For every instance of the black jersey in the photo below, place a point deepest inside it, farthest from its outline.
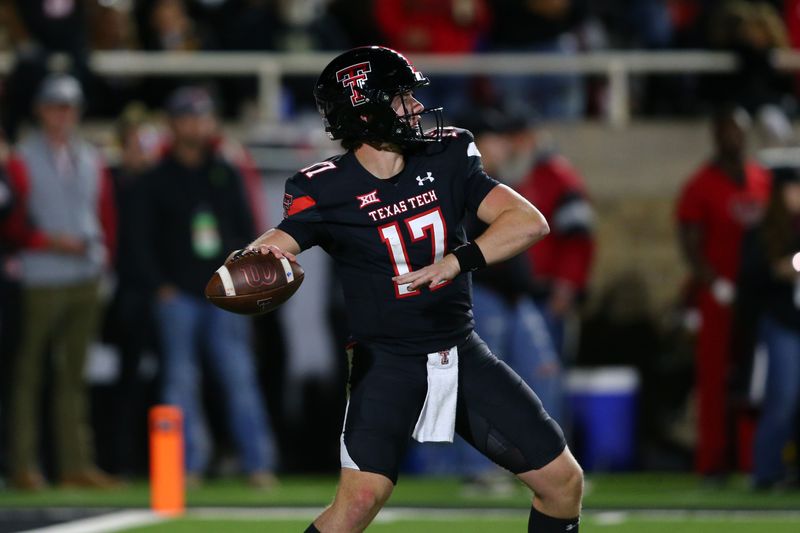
(376, 229)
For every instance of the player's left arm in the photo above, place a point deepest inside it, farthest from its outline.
(514, 225)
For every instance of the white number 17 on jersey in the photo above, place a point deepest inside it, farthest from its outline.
(429, 224)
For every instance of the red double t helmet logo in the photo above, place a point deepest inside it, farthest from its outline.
(354, 77)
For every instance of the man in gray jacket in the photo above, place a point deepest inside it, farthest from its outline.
(63, 222)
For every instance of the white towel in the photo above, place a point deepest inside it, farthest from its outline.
(437, 420)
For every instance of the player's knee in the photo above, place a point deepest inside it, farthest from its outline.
(573, 485)
(362, 502)
(566, 487)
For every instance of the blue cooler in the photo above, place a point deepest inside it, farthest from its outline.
(603, 405)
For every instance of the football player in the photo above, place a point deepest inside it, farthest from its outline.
(390, 211)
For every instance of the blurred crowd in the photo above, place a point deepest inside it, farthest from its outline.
(71, 29)
(181, 195)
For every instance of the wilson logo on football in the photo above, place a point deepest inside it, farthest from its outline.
(258, 276)
(354, 77)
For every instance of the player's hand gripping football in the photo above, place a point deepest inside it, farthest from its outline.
(263, 249)
(440, 272)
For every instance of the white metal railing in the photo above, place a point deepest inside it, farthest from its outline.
(270, 67)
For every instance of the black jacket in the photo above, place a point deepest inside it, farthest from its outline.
(760, 290)
(191, 219)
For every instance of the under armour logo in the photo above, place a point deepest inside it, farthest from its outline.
(570, 527)
(369, 198)
(420, 180)
(444, 357)
(354, 77)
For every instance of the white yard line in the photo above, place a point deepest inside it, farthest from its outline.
(123, 520)
(391, 514)
(108, 523)
(406, 513)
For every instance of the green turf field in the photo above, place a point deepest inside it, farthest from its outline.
(473, 525)
(606, 491)
(614, 502)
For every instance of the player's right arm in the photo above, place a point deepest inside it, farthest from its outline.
(301, 227)
(277, 242)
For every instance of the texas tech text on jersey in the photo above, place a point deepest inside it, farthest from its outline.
(376, 229)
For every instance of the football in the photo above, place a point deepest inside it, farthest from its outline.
(254, 284)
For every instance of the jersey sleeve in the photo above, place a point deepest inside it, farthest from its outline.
(301, 216)
(477, 182)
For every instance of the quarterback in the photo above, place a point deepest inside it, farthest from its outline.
(389, 211)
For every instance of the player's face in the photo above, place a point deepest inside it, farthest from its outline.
(405, 104)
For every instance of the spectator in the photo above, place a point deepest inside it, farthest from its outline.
(250, 27)
(43, 28)
(304, 26)
(111, 28)
(64, 223)
(129, 321)
(9, 299)
(770, 274)
(450, 26)
(754, 31)
(165, 26)
(6, 194)
(718, 203)
(169, 28)
(562, 262)
(546, 26)
(506, 314)
(357, 20)
(192, 210)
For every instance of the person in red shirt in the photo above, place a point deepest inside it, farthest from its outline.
(562, 265)
(437, 27)
(717, 205)
(443, 27)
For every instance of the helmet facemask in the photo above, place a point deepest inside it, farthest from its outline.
(410, 127)
(400, 125)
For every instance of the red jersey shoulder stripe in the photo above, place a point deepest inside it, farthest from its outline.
(300, 204)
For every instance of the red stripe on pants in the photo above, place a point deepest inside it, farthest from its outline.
(712, 362)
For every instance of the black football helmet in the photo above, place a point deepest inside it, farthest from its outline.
(354, 95)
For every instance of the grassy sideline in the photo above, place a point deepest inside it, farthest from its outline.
(507, 525)
(604, 491)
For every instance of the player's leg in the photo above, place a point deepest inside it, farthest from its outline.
(386, 393)
(502, 417)
(558, 490)
(359, 497)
